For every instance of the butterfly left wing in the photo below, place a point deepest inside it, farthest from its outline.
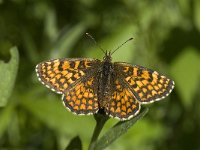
(61, 74)
(82, 98)
(147, 85)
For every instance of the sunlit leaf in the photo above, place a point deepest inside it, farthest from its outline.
(186, 73)
(8, 72)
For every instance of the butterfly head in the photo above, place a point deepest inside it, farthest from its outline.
(107, 56)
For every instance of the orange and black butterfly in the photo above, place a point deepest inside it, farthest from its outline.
(88, 85)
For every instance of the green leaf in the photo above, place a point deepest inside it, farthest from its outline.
(197, 14)
(8, 72)
(5, 118)
(67, 41)
(119, 129)
(75, 144)
(51, 28)
(186, 72)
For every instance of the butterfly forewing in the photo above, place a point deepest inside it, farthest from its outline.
(147, 85)
(61, 74)
(122, 104)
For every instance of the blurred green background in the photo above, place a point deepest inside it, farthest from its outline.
(166, 38)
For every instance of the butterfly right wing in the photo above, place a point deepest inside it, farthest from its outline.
(122, 105)
(147, 85)
(60, 74)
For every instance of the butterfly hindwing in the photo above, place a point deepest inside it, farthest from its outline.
(82, 98)
(147, 85)
(122, 104)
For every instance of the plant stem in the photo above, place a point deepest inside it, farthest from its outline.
(100, 121)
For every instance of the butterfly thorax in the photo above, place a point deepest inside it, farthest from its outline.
(104, 80)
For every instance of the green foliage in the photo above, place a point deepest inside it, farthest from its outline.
(5, 119)
(8, 72)
(166, 38)
(64, 42)
(185, 69)
(116, 131)
(75, 144)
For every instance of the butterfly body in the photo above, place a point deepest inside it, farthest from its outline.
(104, 78)
(118, 88)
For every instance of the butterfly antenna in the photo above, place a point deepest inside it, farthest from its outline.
(91, 37)
(121, 45)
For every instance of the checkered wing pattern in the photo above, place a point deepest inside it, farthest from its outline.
(62, 74)
(123, 104)
(82, 98)
(147, 85)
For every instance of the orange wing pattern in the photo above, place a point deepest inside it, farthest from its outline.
(60, 74)
(147, 85)
(88, 85)
(123, 104)
(82, 98)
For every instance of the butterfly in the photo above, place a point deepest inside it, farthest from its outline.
(88, 85)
